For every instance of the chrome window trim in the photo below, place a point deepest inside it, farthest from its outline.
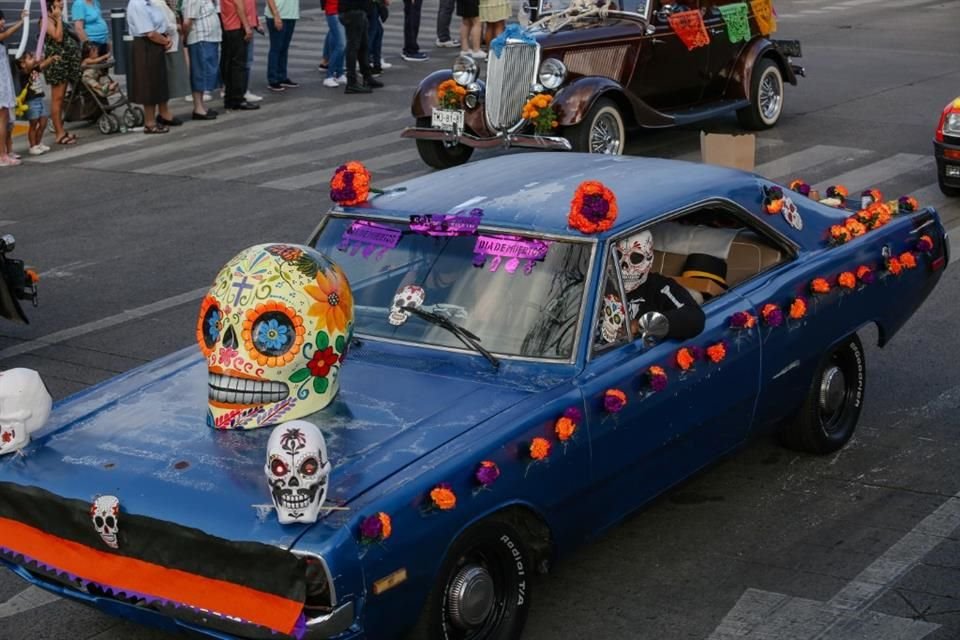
(383, 217)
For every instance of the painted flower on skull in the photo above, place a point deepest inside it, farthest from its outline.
(333, 301)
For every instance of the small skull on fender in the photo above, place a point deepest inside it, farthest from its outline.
(274, 329)
(297, 470)
(105, 513)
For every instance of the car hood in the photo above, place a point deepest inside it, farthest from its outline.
(143, 437)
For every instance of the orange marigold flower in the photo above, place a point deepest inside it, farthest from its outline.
(443, 497)
(862, 271)
(798, 308)
(820, 285)
(775, 206)
(717, 352)
(565, 428)
(855, 227)
(685, 359)
(894, 266)
(839, 234)
(847, 280)
(907, 260)
(386, 525)
(539, 448)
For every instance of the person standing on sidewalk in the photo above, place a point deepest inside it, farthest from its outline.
(238, 17)
(201, 28)
(88, 23)
(444, 16)
(376, 11)
(353, 17)
(469, 12)
(248, 95)
(411, 29)
(334, 47)
(282, 16)
(494, 15)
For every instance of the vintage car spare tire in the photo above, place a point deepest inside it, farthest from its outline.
(766, 97)
(482, 591)
(441, 155)
(601, 130)
(830, 412)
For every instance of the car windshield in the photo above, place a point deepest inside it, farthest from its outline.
(631, 6)
(520, 295)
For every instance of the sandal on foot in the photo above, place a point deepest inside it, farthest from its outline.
(67, 138)
(156, 129)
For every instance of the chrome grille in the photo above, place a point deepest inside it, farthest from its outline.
(508, 83)
(605, 61)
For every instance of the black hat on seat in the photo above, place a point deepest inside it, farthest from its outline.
(702, 265)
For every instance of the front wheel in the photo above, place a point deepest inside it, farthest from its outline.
(830, 413)
(482, 591)
(439, 154)
(766, 97)
(601, 131)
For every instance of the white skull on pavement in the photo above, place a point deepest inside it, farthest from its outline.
(24, 407)
(297, 470)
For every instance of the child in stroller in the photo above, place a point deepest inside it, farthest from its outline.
(96, 96)
(95, 74)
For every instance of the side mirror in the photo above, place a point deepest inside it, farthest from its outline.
(663, 13)
(654, 327)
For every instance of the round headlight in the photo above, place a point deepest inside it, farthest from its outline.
(464, 70)
(552, 73)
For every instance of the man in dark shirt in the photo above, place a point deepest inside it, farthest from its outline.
(353, 17)
(653, 292)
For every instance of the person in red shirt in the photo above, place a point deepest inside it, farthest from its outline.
(239, 18)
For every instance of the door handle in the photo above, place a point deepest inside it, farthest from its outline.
(716, 31)
(657, 41)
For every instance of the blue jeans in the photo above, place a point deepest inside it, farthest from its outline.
(279, 47)
(249, 64)
(334, 47)
(374, 36)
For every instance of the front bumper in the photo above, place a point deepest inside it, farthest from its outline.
(504, 139)
(948, 169)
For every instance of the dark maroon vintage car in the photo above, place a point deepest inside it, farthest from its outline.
(606, 69)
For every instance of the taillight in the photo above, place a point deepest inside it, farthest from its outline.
(949, 121)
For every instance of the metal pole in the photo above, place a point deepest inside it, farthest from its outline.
(118, 28)
(128, 63)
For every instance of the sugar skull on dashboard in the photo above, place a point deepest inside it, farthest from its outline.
(274, 328)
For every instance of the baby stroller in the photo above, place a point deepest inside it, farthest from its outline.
(82, 103)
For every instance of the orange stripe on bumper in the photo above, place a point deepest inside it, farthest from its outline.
(120, 572)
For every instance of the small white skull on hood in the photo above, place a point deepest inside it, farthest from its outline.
(105, 513)
(635, 254)
(297, 470)
(24, 407)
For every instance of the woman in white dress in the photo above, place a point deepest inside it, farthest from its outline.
(8, 99)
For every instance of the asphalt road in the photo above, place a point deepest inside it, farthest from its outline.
(128, 230)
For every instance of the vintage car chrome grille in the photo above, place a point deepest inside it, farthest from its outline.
(509, 78)
(605, 61)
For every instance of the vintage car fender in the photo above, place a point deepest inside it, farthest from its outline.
(425, 99)
(574, 101)
(738, 87)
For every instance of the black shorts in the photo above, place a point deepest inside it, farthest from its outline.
(468, 8)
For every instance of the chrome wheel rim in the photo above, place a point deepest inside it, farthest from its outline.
(770, 96)
(605, 135)
(471, 597)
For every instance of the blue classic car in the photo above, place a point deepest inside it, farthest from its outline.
(507, 395)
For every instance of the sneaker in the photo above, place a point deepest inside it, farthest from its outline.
(331, 82)
(276, 88)
(357, 88)
(376, 72)
(252, 97)
(419, 56)
(373, 83)
(36, 150)
(448, 44)
(44, 147)
(188, 98)
(342, 79)
(384, 64)
(207, 96)
(289, 84)
(479, 54)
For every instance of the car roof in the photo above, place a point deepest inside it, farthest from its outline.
(532, 191)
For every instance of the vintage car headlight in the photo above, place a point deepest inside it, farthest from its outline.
(552, 73)
(464, 70)
(951, 124)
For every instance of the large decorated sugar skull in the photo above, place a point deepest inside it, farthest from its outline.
(612, 320)
(274, 328)
(297, 470)
(636, 258)
(408, 296)
(24, 407)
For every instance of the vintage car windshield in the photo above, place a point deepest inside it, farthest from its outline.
(529, 308)
(630, 6)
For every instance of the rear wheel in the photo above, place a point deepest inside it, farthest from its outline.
(482, 591)
(953, 192)
(601, 131)
(766, 97)
(108, 123)
(830, 413)
(439, 154)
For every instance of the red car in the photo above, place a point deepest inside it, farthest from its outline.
(946, 148)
